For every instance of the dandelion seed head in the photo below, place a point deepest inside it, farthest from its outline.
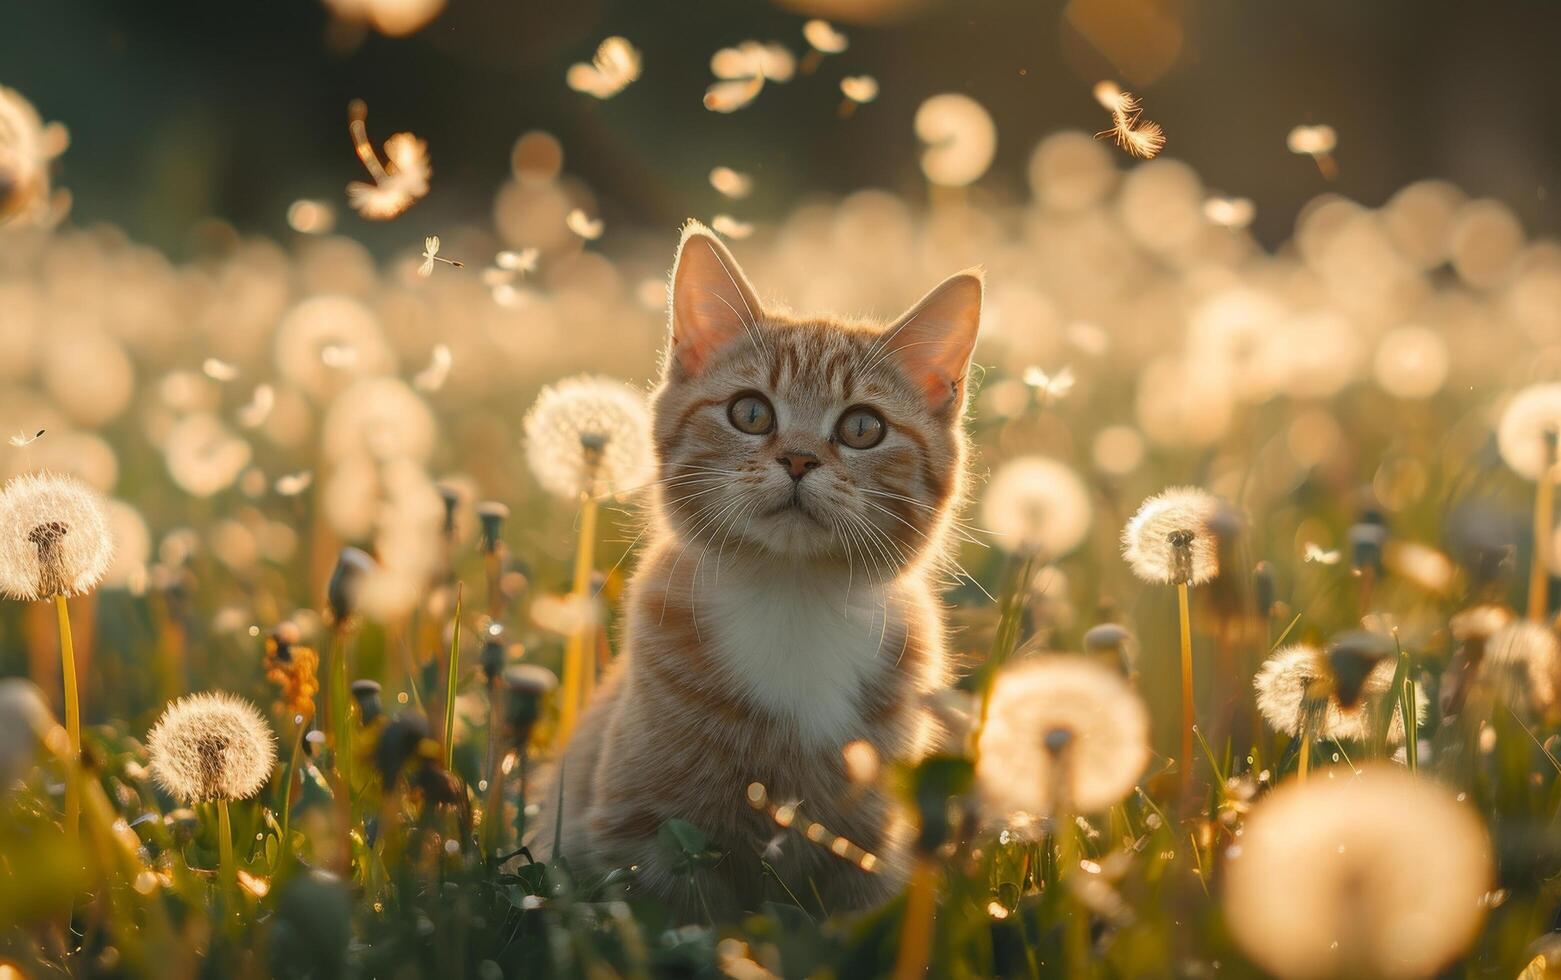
(1297, 682)
(1411, 362)
(1037, 505)
(54, 537)
(203, 455)
(1529, 428)
(1169, 541)
(1480, 622)
(323, 322)
(1522, 663)
(589, 434)
(1333, 873)
(211, 746)
(1106, 728)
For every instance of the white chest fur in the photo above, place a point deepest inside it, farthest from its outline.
(789, 641)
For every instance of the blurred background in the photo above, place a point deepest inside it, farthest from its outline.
(181, 110)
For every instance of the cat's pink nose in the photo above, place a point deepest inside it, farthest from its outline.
(797, 463)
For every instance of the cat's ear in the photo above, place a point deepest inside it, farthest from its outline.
(712, 302)
(933, 341)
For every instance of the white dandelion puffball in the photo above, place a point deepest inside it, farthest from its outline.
(1067, 711)
(211, 746)
(1294, 675)
(1379, 874)
(1531, 418)
(203, 455)
(1522, 662)
(589, 434)
(54, 537)
(1169, 542)
(1037, 505)
(382, 418)
(960, 136)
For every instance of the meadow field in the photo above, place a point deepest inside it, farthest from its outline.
(1253, 599)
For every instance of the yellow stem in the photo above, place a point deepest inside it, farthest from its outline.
(72, 721)
(1539, 571)
(1306, 754)
(1188, 719)
(579, 675)
(916, 931)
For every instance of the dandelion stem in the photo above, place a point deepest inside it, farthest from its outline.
(451, 679)
(1188, 720)
(227, 870)
(916, 929)
(579, 677)
(72, 720)
(284, 852)
(1539, 570)
(1305, 764)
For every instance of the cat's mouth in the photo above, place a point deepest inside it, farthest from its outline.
(794, 505)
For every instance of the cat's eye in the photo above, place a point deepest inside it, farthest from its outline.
(750, 412)
(861, 428)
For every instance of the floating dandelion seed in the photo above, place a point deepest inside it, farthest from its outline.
(824, 38)
(1051, 386)
(1062, 733)
(860, 89)
(1168, 541)
(22, 439)
(293, 484)
(524, 260)
(1377, 875)
(309, 217)
(733, 183)
(27, 147)
(1316, 554)
(1301, 694)
(588, 434)
(1138, 136)
(54, 537)
(1317, 142)
(431, 255)
(583, 225)
(393, 18)
(743, 70)
(961, 139)
(433, 377)
(399, 182)
(254, 414)
(1229, 212)
(211, 746)
(1037, 505)
(731, 227)
(1522, 664)
(218, 370)
(615, 65)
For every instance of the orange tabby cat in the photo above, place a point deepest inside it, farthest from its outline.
(809, 469)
